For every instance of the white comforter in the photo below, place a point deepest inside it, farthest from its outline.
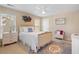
(30, 38)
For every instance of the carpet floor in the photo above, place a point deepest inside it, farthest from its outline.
(56, 48)
(52, 48)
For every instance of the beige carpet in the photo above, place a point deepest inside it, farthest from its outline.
(16, 48)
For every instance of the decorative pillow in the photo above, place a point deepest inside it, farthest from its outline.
(27, 29)
(30, 30)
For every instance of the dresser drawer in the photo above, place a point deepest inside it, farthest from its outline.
(14, 35)
(9, 38)
(6, 36)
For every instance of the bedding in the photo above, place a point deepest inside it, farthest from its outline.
(30, 39)
(30, 30)
(34, 39)
(26, 29)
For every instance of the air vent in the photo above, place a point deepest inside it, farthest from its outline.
(11, 5)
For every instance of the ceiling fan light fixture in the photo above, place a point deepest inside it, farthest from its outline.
(11, 5)
(43, 12)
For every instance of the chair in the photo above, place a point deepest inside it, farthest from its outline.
(59, 34)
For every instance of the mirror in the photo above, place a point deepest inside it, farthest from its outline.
(8, 23)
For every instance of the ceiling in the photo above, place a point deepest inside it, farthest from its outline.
(43, 9)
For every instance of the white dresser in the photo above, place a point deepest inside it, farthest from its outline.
(8, 32)
(9, 38)
(75, 43)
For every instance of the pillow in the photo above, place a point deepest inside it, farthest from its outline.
(23, 29)
(30, 30)
(27, 29)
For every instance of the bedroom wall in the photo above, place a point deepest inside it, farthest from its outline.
(71, 23)
(71, 26)
(19, 14)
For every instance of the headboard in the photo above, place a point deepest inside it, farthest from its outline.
(27, 29)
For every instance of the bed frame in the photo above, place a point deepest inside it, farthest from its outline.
(44, 39)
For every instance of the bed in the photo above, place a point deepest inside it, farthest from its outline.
(34, 39)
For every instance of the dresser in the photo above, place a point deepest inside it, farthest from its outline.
(8, 31)
(9, 38)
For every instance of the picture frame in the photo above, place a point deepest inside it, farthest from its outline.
(60, 21)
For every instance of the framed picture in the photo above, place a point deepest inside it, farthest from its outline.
(27, 18)
(60, 21)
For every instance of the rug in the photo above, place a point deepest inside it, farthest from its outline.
(56, 48)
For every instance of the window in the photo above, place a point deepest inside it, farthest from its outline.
(45, 24)
(37, 24)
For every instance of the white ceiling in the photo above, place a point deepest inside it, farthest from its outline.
(43, 9)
